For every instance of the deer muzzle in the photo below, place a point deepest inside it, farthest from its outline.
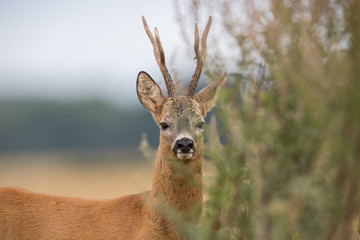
(184, 148)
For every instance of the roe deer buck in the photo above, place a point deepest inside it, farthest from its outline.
(175, 199)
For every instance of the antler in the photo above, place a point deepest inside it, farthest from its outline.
(160, 58)
(200, 57)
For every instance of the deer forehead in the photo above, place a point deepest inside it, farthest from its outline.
(181, 108)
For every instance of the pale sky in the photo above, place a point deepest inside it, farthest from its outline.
(82, 49)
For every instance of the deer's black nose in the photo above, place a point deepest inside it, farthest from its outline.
(184, 145)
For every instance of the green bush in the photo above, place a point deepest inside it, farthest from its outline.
(288, 165)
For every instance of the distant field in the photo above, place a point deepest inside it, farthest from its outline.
(95, 174)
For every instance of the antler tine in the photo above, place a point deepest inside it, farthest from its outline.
(196, 43)
(200, 57)
(160, 58)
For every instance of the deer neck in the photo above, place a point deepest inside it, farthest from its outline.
(178, 184)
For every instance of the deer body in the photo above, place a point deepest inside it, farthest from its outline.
(25, 215)
(175, 200)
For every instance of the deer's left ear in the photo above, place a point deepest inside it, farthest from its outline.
(207, 96)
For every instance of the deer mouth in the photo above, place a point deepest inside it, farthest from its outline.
(184, 156)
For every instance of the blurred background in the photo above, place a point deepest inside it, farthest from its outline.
(70, 120)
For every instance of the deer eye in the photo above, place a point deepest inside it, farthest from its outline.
(200, 125)
(164, 126)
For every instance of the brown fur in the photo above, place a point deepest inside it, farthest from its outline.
(27, 215)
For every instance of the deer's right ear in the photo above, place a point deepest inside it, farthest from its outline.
(149, 93)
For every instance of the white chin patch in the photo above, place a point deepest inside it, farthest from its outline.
(184, 155)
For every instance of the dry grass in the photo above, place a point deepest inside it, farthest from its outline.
(106, 174)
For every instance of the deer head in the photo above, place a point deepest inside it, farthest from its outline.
(180, 118)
